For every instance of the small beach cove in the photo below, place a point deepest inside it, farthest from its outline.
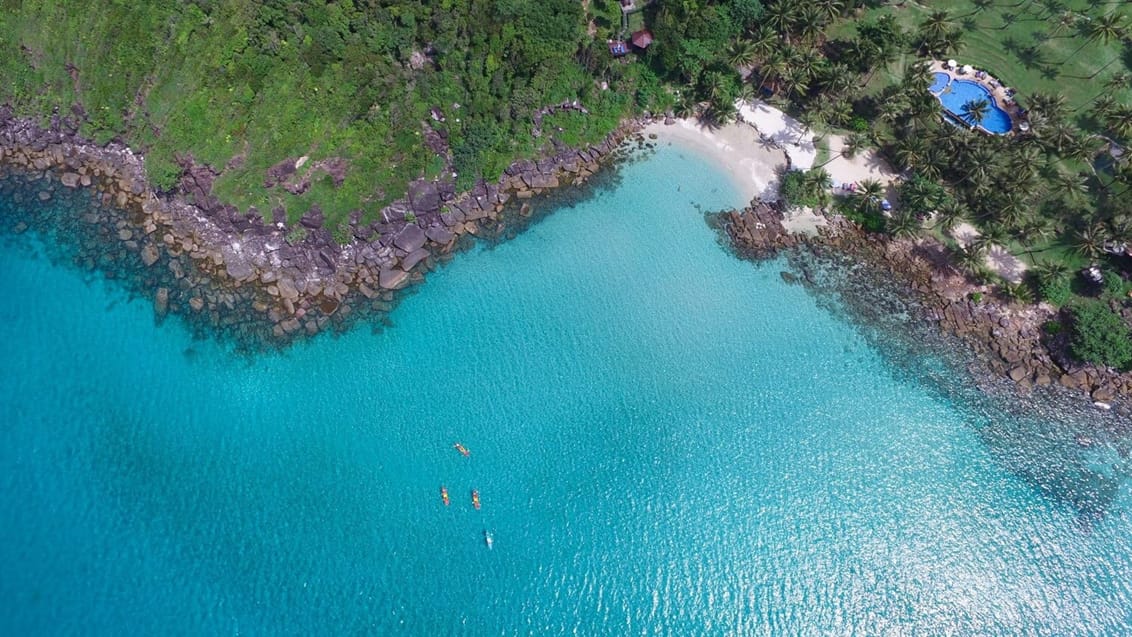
(664, 438)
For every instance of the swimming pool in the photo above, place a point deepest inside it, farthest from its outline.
(955, 94)
(939, 82)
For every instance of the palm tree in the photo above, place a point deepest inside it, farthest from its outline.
(780, 16)
(741, 54)
(1083, 149)
(1065, 21)
(1089, 240)
(971, 260)
(1103, 103)
(1061, 136)
(868, 197)
(817, 182)
(773, 69)
(764, 41)
(809, 64)
(809, 23)
(1014, 210)
(981, 165)
(1108, 27)
(1016, 292)
(794, 81)
(1024, 160)
(721, 112)
(837, 80)
(829, 9)
(904, 226)
(951, 213)
(975, 111)
(993, 235)
(1050, 105)
(1104, 29)
(1119, 121)
(917, 77)
(933, 29)
(1053, 6)
(910, 152)
(1052, 271)
(853, 144)
(685, 107)
(950, 43)
(1073, 187)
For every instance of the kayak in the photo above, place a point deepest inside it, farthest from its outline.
(444, 495)
(476, 499)
(462, 449)
(488, 539)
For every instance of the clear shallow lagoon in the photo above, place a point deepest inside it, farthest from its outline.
(667, 440)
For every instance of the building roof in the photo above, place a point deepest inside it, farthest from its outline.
(642, 39)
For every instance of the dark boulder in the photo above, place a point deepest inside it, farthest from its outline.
(410, 238)
(279, 173)
(424, 196)
(438, 234)
(313, 219)
(413, 258)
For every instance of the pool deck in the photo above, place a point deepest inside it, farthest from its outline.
(997, 89)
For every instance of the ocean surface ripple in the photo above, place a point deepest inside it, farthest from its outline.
(666, 440)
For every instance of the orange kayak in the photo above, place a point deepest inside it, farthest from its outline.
(444, 495)
(462, 449)
(476, 499)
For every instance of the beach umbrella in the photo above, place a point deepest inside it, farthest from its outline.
(967, 68)
(951, 64)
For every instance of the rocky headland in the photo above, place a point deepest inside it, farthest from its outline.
(1007, 339)
(243, 273)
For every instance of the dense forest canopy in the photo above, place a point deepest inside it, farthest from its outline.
(259, 82)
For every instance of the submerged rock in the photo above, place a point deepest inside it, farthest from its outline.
(161, 301)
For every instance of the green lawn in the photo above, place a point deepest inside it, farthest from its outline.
(1017, 41)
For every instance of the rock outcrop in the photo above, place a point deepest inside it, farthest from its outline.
(232, 267)
(1007, 338)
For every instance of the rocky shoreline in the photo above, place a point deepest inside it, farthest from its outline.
(1007, 340)
(239, 274)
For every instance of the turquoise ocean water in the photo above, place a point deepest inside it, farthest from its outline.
(667, 440)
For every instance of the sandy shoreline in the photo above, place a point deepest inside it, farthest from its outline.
(736, 149)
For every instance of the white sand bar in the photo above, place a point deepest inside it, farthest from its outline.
(736, 149)
(785, 131)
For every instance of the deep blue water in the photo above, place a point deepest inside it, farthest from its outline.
(959, 92)
(667, 440)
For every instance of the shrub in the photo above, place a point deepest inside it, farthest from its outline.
(1053, 328)
(859, 124)
(1115, 287)
(1100, 335)
(977, 297)
(1056, 291)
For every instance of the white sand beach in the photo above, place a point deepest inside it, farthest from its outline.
(866, 164)
(737, 149)
(1007, 265)
(785, 131)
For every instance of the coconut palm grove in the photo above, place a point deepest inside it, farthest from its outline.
(456, 90)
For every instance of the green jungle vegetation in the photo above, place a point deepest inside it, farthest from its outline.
(242, 85)
(248, 83)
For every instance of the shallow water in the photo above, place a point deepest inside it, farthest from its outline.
(666, 440)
